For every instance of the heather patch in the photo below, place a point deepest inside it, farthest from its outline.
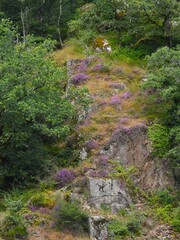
(124, 120)
(86, 169)
(103, 160)
(100, 68)
(103, 173)
(126, 95)
(64, 176)
(79, 78)
(103, 102)
(91, 144)
(82, 66)
(115, 100)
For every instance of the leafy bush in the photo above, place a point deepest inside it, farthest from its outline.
(159, 135)
(68, 215)
(42, 199)
(33, 109)
(14, 225)
(166, 208)
(121, 172)
(134, 225)
(175, 222)
(163, 86)
(165, 197)
(117, 230)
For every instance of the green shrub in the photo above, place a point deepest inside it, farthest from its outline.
(162, 198)
(176, 219)
(127, 55)
(134, 225)
(68, 215)
(159, 135)
(42, 199)
(165, 197)
(117, 229)
(14, 227)
(164, 213)
(105, 207)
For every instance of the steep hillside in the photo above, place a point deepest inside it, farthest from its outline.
(117, 190)
(117, 180)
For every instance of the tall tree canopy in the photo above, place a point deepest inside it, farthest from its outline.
(33, 109)
(164, 85)
(41, 17)
(134, 20)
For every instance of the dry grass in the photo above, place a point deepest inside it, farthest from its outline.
(68, 52)
(43, 234)
(106, 118)
(2, 217)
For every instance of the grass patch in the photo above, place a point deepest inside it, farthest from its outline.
(68, 215)
(68, 52)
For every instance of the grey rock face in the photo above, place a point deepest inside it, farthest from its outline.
(98, 228)
(110, 193)
(83, 154)
(130, 147)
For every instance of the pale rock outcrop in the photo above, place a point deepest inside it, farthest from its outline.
(111, 193)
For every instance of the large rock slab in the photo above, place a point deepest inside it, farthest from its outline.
(108, 193)
(130, 147)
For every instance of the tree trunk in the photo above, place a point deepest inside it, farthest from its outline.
(23, 26)
(59, 18)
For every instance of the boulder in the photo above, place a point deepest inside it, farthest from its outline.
(108, 193)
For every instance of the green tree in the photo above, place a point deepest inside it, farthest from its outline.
(154, 19)
(45, 18)
(136, 21)
(163, 83)
(33, 109)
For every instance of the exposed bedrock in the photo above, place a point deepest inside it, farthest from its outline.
(130, 147)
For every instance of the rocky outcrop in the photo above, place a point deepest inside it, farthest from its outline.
(108, 193)
(98, 228)
(130, 147)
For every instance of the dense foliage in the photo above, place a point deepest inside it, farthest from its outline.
(163, 84)
(44, 18)
(152, 23)
(33, 110)
(39, 107)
